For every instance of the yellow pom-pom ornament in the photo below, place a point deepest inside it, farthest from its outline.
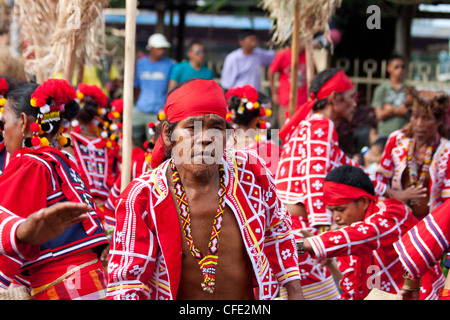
(2, 102)
(62, 140)
(44, 142)
(268, 112)
(33, 102)
(80, 95)
(162, 116)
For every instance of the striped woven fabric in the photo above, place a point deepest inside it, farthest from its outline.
(423, 246)
(88, 284)
(323, 290)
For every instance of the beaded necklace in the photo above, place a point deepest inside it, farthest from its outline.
(208, 262)
(418, 178)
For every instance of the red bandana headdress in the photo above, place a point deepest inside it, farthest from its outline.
(338, 83)
(335, 194)
(194, 98)
(50, 97)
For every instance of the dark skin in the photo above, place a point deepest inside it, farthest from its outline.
(425, 128)
(200, 178)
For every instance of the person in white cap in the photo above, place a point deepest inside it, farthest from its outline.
(151, 83)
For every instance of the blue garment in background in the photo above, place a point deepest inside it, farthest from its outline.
(152, 78)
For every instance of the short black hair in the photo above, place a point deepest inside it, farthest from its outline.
(351, 176)
(245, 33)
(395, 56)
(194, 42)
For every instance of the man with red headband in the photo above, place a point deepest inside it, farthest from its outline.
(364, 239)
(206, 223)
(310, 151)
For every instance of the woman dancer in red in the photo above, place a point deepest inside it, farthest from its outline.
(40, 175)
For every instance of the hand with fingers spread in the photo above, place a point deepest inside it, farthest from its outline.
(48, 223)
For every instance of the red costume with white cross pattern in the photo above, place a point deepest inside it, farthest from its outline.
(367, 256)
(145, 256)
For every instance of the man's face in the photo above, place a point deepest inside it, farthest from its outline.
(249, 43)
(346, 214)
(199, 141)
(157, 53)
(197, 53)
(345, 105)
(396, 68)
(424, 125)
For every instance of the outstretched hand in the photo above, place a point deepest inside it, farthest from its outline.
(48, 223)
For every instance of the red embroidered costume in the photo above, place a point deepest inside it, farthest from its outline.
(394, 162)
(366, 254)
(48, 176)
(310, 151)
(145, 258)
(138, 166)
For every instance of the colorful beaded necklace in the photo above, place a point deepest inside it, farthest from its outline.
(208, 262)
(418, 178)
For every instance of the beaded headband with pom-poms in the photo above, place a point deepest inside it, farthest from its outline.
(50, 98)
(113, 125)
(3, 89)
(249, 101)
(150, 144)
(95, 93)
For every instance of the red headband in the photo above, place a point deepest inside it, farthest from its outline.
(335, 194)
(195, 98)
(338, 83)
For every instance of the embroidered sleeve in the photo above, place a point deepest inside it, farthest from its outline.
(380, 229)
(133, 248)
(8, 243)
(279, 243)
(423, 246)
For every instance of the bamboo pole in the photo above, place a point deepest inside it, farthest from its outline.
(310, 65)
(130, 52)
(294, 60)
